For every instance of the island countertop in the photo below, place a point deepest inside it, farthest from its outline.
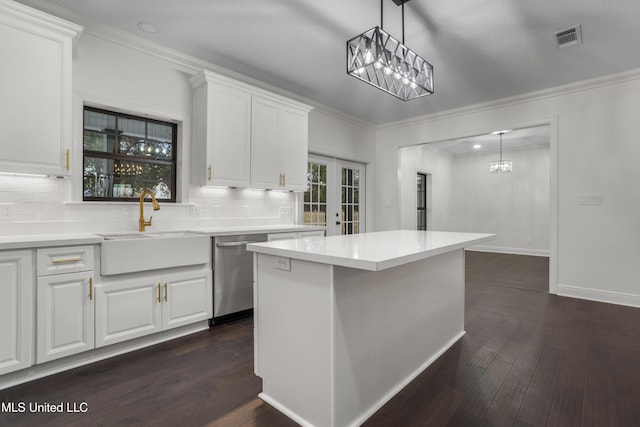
(372, 251)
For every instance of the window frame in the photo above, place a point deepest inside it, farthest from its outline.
(172, 163)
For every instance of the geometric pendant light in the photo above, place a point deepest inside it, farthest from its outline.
(379, 59)
(501, 166)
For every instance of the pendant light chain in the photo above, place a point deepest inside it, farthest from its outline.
(402, 22)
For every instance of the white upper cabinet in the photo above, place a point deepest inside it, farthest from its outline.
(35, 105)
(221, 133)
(266, 149)
(295, 145)
(247, 137)
(279, 145)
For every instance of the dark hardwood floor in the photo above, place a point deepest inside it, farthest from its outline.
(528, 359)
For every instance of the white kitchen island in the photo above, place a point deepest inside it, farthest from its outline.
(343, 323)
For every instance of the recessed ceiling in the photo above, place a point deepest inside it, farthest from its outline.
(481, 50)
(516, 139)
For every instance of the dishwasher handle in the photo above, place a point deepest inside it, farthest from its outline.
(234, 244)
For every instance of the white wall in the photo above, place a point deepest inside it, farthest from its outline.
(514, 206)
(437, 163)
(594, 128)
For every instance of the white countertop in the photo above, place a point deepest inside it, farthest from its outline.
(372, 251)
(28, 241)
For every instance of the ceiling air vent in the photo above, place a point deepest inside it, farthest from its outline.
(569, 37)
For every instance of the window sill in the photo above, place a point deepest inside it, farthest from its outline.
(95, 203)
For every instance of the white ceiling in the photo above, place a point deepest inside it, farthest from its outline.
(515, 139)
(481, 50)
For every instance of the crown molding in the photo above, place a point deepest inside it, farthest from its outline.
(551, 92)
(339, 115)
(48, 21)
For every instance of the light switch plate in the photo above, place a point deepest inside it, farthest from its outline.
(590, 199)
(6, 210)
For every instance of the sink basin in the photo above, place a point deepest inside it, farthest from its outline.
(134, 252)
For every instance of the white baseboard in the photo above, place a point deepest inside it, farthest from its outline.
(620, 298)
(513, 251)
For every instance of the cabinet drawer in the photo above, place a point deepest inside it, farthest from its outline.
(282, 236)
(64, 260)
(316, 233)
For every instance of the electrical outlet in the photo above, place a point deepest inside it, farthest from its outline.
(245, 211)
(590, 199)
(285, 211)
(6, 210)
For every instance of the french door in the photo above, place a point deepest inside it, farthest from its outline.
(336, 195)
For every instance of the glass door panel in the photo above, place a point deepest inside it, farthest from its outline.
(334, 196)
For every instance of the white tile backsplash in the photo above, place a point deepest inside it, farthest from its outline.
(41, 205)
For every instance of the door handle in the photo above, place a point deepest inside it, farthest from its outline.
(337, 222)
(165, 292)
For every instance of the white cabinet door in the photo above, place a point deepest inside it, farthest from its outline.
(279, 138)
(16, 328)
(266, 150)
(186, 298)
(128, 309)
(294, 131)
(35, 105)
(221, 134)
(65, 320)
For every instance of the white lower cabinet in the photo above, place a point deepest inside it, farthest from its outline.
(16, 312)
(187, 298)
(65, 305)
(64, 302)
(137, 306)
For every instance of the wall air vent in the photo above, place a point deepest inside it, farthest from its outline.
(569, 37)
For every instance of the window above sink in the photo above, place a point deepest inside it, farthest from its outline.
(124, 154)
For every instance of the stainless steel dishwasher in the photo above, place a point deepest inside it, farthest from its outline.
(233, 276)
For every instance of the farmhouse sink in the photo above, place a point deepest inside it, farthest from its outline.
(133, 252)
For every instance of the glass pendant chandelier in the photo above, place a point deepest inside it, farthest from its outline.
(501, 166)
(379, 59)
